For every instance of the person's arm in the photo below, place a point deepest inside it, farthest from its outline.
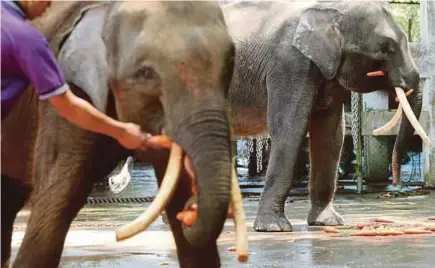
(81, 113)
(39, 65)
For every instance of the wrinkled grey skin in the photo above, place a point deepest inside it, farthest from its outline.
(169, 65)
(295, 64)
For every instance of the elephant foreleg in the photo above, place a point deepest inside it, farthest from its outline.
(188, 256)
(68, 161)
(289, 109)
(14, 195)
(326, 141)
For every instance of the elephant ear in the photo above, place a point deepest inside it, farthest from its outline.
(83, 57)
(318, 37)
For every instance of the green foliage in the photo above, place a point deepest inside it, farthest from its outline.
(407, 15)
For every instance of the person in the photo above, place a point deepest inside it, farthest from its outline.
(26, 58)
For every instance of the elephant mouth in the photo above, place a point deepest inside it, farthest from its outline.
(177, 160)
(403, 104)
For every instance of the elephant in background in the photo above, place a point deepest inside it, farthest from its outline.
(166, 66)
(296, 63)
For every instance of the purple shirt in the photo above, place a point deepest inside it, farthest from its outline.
(26, 58)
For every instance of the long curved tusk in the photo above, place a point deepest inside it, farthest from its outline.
(411, 116)
(239, 219)
(167, 188)
(407, 94)
(388, 126)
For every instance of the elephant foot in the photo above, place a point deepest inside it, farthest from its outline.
(324, 216)
(270, 222)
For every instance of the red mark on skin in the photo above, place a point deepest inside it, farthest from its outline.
(189, 77)
(118, 89)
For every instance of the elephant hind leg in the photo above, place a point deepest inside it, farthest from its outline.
(326, 141)
(13, 198)
(188, 256)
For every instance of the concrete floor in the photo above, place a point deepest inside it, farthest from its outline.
(91, 239)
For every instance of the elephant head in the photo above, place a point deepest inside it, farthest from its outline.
(169, 66)
(361, 46)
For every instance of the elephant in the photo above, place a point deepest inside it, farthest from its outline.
(296, 63)
(163, 65)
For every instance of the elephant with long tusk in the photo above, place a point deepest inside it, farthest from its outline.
(166, 191)
(403, 105)
(297, 62)
(164, 65)
(401, 97)
(409, 120)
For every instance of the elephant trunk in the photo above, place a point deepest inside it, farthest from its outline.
(206, 139)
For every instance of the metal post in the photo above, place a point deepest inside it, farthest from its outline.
(427, 75)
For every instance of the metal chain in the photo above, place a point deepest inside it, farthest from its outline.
(251, 144)
(250, 149)
(266, 145)
(260, 143)
(356, 106)
(355, 118)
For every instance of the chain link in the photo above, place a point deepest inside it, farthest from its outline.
(266, 145)
(260, 143)
(356, 107)
(251, 145)
(250, 149)
(355, 101)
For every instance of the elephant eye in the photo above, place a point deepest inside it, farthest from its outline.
(146, 72)
(386, 48)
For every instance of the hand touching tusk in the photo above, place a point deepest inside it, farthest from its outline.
(376, 73)
(167, 188)
(239, 219)
(388, 126)
(411, 116)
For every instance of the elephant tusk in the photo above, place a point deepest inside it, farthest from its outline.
(407, 94)
(411, 116)
(167, 188)
(239, 219)
(376, 73)
(388, 126)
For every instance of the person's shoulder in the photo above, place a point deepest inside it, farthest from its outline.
(28, 35)
(22, 33)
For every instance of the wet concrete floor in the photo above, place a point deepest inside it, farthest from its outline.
(91, 239)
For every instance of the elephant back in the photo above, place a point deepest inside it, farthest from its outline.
(59, 20)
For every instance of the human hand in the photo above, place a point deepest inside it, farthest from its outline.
(133, 138)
